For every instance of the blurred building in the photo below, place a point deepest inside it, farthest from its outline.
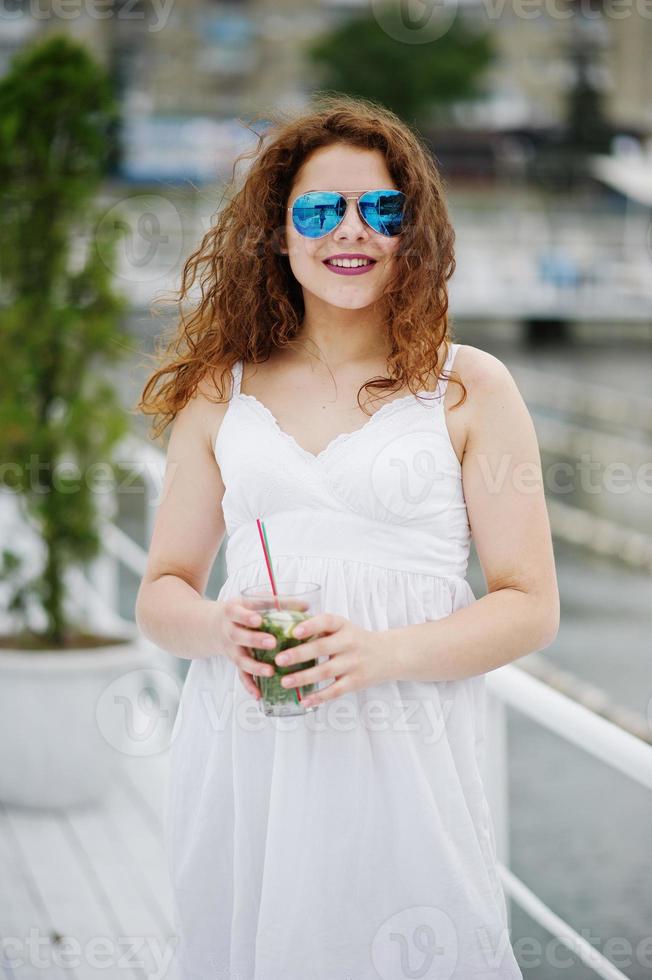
(629, 59)
(179, 61)
(186, 56)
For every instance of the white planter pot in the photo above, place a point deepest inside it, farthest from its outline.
(63, 735)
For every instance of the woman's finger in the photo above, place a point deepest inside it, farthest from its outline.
(249, 683)
(321, 672)
(252, 666)
(244, 615)
(258, 639)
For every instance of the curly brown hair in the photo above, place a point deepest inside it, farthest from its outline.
(251, 302)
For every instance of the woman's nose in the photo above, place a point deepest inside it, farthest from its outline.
(351, 223)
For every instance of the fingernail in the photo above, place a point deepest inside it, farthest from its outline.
(281, 659)
(299, 631)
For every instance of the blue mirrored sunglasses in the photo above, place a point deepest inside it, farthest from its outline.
(317, 213)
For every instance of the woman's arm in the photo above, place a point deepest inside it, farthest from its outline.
(504, 493)
(188, 532)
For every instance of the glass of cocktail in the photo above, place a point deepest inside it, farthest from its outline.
(294, 602)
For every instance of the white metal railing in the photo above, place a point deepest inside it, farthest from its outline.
(599, 403)
(572, 721)
(577, 263)
(611, 264)
(508, 686)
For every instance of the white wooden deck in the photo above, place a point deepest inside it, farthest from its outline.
(97, 878)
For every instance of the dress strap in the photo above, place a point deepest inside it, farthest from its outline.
(236, 373)
(448, 367)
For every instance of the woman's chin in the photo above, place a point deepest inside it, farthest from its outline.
(345, 299)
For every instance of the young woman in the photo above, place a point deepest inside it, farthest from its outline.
(353, 842)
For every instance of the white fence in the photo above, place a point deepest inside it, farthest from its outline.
(508, 687)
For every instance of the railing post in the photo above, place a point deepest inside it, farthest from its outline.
(151, 493)
(104, 571)
(496, 778)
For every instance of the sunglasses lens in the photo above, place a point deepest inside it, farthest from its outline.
(317, 213)
(383, 211)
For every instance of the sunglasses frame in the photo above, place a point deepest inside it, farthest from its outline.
(348, 197)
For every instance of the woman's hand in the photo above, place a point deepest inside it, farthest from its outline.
(236, 632)
(357, 658)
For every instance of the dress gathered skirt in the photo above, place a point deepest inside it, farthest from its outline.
(354, 842)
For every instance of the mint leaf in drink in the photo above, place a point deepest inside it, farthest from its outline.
(280, 623)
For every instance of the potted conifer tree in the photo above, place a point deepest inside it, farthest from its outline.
(60, 420)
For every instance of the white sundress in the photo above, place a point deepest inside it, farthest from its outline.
(354, 842)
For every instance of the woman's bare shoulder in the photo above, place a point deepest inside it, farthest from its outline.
(493, 397)
(479, 368)
(486, 378)
(211, 404)
(489, 387)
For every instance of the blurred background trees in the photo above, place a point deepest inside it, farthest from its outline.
(365, 57)
(59, 418)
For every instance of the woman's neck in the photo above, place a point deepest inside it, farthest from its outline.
(346, 338)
